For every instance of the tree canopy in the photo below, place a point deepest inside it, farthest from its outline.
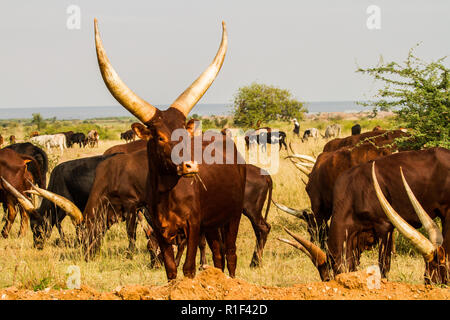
(261, 102)
(418, 93)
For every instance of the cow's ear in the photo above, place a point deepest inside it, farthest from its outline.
(190, 127)
(141, 131)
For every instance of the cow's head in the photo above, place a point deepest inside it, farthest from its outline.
(159, 125)
(436, 258)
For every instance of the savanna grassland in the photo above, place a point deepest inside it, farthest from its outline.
(23, 266)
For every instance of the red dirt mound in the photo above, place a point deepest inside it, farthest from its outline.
(212, 284)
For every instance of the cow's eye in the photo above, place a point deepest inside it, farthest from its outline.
(161, 139)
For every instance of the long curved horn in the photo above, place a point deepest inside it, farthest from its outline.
(317, 256)
(291, 211)
(187, 100)
(425, 247)
(434, 233)
(124, 95)
(303, 157)
(24, 201)
(65, 204)
(302, 168)
(296, 245)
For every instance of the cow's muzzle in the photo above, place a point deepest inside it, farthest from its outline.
(188, 168)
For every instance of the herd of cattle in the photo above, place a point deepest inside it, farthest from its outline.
(61, 140)
(68, 139)
(359, 185)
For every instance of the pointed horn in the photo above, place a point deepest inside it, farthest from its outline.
(304, 164)
(291, 211)
(124, 95)
(187, 100)
(296, 245)
(65, 204)
(302, 157)
(317, 256)
(302, 168)
(434, 233)
(24, 201)
(425, 247)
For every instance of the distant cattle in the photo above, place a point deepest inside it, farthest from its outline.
(49, 141)
(296, 127)
(332, 131)
(310, 133)
(356, 129)
(128, 136)
(79, 138)
(1, 140)
(92, 138)
(68, 135)
(12, 139)
(34, 134)
(265, 135)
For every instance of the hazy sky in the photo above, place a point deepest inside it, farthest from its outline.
(159, 47)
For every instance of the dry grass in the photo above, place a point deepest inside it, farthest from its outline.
(23, 266)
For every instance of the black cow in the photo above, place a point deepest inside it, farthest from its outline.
(68, 135)
(262, 136)
(72, 180)
(356, 129)
(79, 138)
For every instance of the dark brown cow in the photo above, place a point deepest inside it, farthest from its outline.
(13, 170)
(328, 167)
(92, 138)
(258, 186)
(358, 220)
(12, 139)
(127, 147)
(117, 194)
(216, 204)
(380, 137)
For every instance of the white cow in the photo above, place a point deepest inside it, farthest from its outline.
(51, 140)
(310, 133)
(333, 130)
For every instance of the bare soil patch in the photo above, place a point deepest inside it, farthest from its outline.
(212, 284)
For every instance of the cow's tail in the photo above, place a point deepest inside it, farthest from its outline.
(270, 182)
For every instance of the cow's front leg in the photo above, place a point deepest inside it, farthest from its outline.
(216, 245)
(24, 222)
(10, 217)
(167, 256)
(131, 224)
(193, 239)
(231, 231)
